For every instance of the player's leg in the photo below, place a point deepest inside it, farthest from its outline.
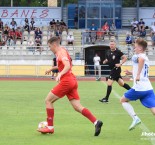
(153, 110)
(109, 89)
(122, 84)
(74, 98)
(50, 99)
(85, 112)
(129, 95)
(95, 70)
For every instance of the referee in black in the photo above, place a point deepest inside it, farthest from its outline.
(114, 58)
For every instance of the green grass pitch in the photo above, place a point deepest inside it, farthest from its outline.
(22, 108)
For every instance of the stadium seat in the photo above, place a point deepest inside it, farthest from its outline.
(25, 33)
(70, 48)
(32, 33)
(44, 43)
(43, 53)
(10, 52)
(44, 33)
(63, 43)
(11, 48)
(149, 43)
(70, 33)
(148, 38)
(150, 53)
(18, 43)
(37, 53)
(64, 33)
(24, 43)
(64, 38)
(17, 52)
(44, 38)
(23, 52)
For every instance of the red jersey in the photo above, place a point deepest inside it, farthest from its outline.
(63, 55)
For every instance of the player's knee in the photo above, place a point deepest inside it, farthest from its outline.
(122, 100)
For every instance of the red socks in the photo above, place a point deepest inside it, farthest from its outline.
(89, 115)
(50, 116)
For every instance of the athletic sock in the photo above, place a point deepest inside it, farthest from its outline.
(50, 116)
(89, 115)
(126, 86)
(128, 107)
(109, 88)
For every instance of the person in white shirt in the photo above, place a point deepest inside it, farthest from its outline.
(142, 88)
(134, 25)
(96, 60)
(152, 29)
(70, 39)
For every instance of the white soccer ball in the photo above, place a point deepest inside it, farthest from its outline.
(42, 124)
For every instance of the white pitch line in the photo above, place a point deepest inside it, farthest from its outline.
(142, 126)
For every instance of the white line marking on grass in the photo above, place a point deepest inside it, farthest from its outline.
(142, 126)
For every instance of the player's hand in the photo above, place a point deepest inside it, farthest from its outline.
(137, 79)
(127, 72)
(58, 77)
(118, 65)
(47, 72)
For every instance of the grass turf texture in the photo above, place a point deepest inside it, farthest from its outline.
(22, 108)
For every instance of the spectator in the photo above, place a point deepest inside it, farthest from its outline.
(18, 34)
(13, 24)
(136, 33)
(93, 30)
(152, 29)
(141, 25)
(96, 60)
(63, 25)
(38, 33)
(99, 34)
(153, 39)
(143, 33)
(134, 24)
(58, 24)
(30, 44)
(10, 41)
(58, 33)
(70, 39)
(76, 21)
(26, 27)
(105, 29)
(1, 25)
(6, 31)
(12, 34)
(37, 41)
(32, 26)
(128, 39)
(53, 24)
(112, 30)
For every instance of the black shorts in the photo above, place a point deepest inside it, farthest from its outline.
(55, 71)
(115, 74)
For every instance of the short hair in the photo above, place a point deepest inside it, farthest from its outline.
(141, 42)
(54, 39)
(112, 41)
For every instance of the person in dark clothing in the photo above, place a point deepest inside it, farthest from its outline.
(114, 58)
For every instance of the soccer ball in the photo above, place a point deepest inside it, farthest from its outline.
(42, 124)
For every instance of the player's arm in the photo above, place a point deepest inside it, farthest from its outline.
(66, 68)
(105, 61)
(140, 67)
(47, 72)
(124, 58)
(127, 72)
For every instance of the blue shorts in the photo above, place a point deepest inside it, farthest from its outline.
(147, 98)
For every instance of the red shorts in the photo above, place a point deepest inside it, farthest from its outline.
(68, 87)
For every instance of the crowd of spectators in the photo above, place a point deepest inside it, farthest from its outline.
(138, 29)
(29, 33)
(94, 33)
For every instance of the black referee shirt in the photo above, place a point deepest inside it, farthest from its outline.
(113, 57)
